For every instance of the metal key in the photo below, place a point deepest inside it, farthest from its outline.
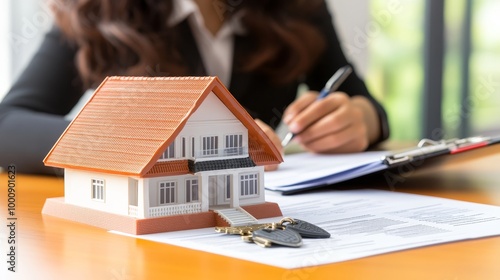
(242, 230)
(305, 229)
(265, 234)
(286, 232)
(277, 235)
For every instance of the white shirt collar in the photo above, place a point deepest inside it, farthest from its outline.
(182, 9)
(216, 50)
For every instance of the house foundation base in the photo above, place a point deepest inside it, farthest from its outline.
(58, 208)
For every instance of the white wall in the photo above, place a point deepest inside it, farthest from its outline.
(78, 191)
(22, 26)
(5, 76)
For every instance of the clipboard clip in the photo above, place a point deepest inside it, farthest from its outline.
(465, 144)
(427, 148)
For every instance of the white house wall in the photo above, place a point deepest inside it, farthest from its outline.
(212, 109)
(212, 118)
(78, 191)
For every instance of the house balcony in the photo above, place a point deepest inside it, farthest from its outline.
(171, 210)
(227, 152)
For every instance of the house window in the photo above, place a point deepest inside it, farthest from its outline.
(192, 147)
(169, 152)
(249, 184)
(192, 190)
(98, 190)
(167, 192)
(210, 145)
(227, 186)
(183, 147)
(234, 144)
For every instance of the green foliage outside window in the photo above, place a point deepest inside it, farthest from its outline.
(395, 74)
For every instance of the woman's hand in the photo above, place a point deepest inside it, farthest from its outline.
(274, 138)
(336, 124)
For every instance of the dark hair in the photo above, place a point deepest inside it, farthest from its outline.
(128, 37)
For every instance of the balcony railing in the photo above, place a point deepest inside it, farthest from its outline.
(237, 151)
(214, 153)
(132, 211)
(171, 210)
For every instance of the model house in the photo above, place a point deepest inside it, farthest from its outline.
(160, 154)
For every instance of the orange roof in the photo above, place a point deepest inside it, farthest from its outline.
(130, 121)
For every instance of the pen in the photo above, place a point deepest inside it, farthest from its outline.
(331, 86)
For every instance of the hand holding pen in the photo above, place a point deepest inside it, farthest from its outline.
(331, 86)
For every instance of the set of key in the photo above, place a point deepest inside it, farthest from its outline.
(287, 232)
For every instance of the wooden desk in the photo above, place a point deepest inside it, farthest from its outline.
(50, 248)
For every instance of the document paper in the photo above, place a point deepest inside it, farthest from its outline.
(305, 170)
(361, 222)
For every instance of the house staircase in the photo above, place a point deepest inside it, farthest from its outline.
(236, 216)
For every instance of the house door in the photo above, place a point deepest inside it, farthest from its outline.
(219, 190)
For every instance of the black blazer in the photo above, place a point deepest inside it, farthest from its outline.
(32, 113)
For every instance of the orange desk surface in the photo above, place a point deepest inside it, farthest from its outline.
(51, 248)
